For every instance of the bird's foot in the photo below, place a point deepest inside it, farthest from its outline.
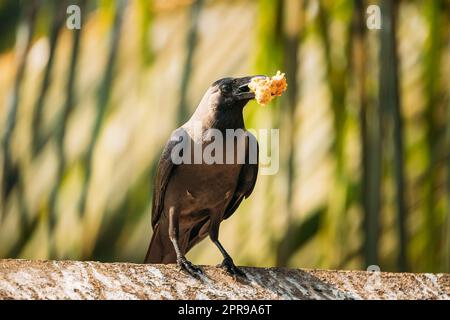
(231, 268)
(187, 266)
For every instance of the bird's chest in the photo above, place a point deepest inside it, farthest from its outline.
(201, 186)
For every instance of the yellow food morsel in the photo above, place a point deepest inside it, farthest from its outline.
(266, 89)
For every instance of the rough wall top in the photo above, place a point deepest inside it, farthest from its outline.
(24, 279)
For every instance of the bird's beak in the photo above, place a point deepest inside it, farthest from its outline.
(243, 91)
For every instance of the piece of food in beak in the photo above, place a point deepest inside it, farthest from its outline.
(266, 88)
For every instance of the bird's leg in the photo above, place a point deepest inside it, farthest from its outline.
(182, 262)
(227, 262)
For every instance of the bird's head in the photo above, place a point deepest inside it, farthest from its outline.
(229, 93)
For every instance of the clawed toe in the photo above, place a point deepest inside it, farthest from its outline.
(231, 268)
(187, 266)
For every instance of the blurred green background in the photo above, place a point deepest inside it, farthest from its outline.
(364, 127)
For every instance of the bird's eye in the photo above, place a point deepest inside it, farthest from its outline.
(226, 88)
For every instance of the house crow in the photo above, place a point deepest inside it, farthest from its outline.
(192, 198)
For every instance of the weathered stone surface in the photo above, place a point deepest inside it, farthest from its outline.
(24, 279)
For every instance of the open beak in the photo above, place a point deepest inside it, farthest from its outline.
(243, 91)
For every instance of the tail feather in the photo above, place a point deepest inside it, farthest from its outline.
(160, 249)
(154, 252)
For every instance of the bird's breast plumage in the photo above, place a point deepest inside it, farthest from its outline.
(201, 186)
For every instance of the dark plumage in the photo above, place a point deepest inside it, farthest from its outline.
(191, 200)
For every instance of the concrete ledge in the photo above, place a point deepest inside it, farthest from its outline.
(25, 279)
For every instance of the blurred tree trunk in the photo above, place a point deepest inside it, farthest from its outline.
(447, 89)
(293, 12)
(337, 70)
(60, 129)
(145, 16)
(433, 105)
(103, 97)
(191, 43)
(38, 139)
(269, 55)
(23, 43)
(370, 139)
(390, 107)
(11, 171)
(447, 221)
(270, 46)
(337, 84)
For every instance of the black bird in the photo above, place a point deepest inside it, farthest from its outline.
(191, 200)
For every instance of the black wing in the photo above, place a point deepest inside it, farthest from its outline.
(163, 173)
(247, 177)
